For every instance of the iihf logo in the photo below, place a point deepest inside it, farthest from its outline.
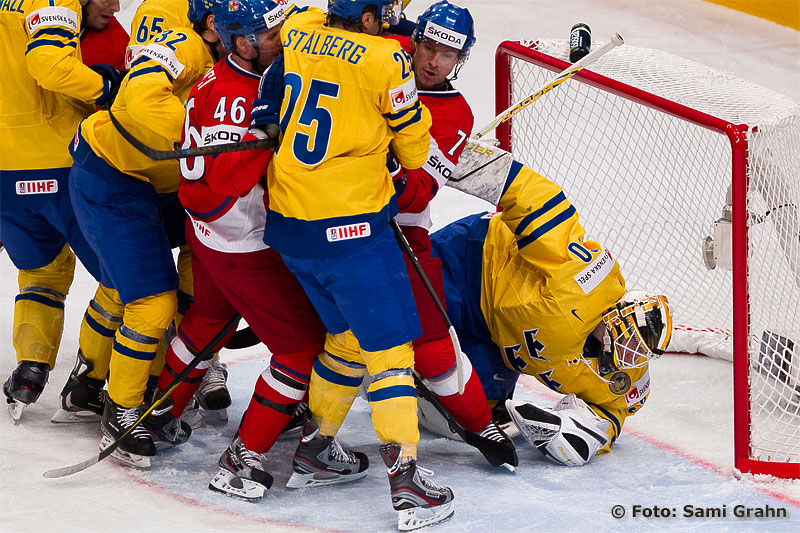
(332, 235)
(233, 5)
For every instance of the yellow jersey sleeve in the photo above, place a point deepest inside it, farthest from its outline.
(53, 27)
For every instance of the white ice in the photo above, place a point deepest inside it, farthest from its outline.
(677, 451)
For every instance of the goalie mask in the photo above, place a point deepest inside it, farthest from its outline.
(637, 329)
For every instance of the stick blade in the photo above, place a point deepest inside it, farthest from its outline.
(65, 471)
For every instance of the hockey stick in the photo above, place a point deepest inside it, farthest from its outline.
(505, 116)
(182, 153)
(401, 239)
(428, 394)
(201, 355)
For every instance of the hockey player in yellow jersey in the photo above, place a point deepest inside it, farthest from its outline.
(117, 193)
(529, 293)
(343, 95)
(45, 91)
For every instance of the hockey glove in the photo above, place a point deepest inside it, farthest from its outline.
(264, 117)
(112, 78)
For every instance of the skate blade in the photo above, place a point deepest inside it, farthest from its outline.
(62, 416)
(510, 468)
(15, 410)
(128, 459)
(193, 418)
(319, 479)
(233, 486)
(419, 517)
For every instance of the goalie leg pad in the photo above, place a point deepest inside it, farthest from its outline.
(569, 433)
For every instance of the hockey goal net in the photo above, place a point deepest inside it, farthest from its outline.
(653, 149)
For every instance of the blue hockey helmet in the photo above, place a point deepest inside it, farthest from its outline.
(388, 10)
(245, 18)
(198, 9)
(448, 24)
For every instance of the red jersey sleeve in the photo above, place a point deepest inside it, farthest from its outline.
(105, 46)
(452, 124)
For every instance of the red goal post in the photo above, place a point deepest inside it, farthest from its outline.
(657, 152)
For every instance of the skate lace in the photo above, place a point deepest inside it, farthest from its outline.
(492, 433)
(250, 458)
(423, 476)
(128, 417)
(214, 378)
(339, 454)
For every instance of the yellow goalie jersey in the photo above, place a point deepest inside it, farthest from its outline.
(151, 18)
(544, 289)
(150, 106)
(45, 89)
(347, 96)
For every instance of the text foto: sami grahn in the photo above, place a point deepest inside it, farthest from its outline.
(737, 511)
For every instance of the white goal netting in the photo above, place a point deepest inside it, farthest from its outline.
(649, 182)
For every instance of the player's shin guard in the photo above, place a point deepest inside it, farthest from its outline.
(100, 323)
(278, 390)
(335, 381)
(178, 358)
(135, 345)
(39, 309)
(393, 398)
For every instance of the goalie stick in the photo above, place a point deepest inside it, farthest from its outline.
(183, 153)
(401, 239)
(505, 116)
(201, 355)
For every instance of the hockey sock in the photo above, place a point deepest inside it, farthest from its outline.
(278, 390)
(39, 309)
(178, 357)
(100, 323)
(436, 361)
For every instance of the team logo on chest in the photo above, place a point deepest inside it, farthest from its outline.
(619, 383)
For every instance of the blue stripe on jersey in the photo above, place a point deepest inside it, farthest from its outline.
(416, 118)
(547, 226)
(58, 32)
(404, 112)
(548, 205)
(334, 377)
(38, 298)
(150, 70)
(395, 391)
(614, 420)
(206, 216)
(95, 325)
(48, 42)
(438, 94)
(133, 354)
(516, 166)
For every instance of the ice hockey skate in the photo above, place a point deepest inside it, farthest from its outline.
(495, 446)
(24, 386)
(569, 433)
(164, 426)
(137, 447)
(82, 398)
(321, 460)
(418, 501)
(191, 414)
(295, 425)
(241, 474)
(213, 395)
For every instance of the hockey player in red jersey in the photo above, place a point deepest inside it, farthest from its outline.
(103, 39)
(440, 45)
(234, 271)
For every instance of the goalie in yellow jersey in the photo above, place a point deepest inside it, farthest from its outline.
(528, 293)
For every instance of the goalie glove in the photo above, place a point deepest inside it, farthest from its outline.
(264, 117)
(112, 78)
(569, 433)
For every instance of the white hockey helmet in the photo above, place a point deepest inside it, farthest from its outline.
(637, 329)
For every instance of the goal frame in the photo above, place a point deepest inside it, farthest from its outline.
(737, 136)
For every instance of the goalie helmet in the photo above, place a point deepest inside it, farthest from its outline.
(637, 329)
(448, 24)
(198, 9)
(246, 18)
(350, 10)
